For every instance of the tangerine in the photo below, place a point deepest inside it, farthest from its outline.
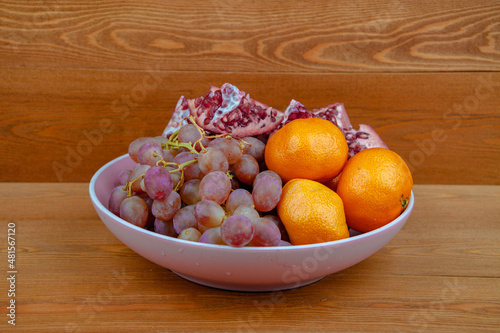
(375, 187)
(311, 213)
(311, 148)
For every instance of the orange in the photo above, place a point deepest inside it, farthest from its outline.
(375, 187)
(311, 148)
(311, 212)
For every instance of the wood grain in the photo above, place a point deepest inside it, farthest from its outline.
(439, 274)
(241, 36)
(445, 125)
(79, 80)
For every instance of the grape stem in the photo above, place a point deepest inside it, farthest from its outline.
(128, 186)
(174, 136)
(173, 140)
(180, 167)
(243, 142)
(204, 135)
(202, 132)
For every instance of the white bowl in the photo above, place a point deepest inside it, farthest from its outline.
(242, 269)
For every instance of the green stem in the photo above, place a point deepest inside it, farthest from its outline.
(128, 186)
(404, 202)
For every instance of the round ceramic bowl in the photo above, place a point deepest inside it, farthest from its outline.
(241, 269)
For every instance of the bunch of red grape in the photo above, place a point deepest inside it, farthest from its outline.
(202, 188)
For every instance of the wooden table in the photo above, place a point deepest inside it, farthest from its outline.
(439, 274)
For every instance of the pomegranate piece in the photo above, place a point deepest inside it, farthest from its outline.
(296, 110)
(363, 139)
(178, 120)
(227, 110)
(337, 114)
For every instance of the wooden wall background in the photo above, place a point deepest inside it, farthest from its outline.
(424, 74)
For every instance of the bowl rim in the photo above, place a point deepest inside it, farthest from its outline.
(101, 207)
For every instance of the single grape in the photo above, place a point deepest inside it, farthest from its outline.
(266, 193)
(161, 140)
(266, 233)
(189, 134)
(276, 220)
(284, 243)
(137, 175)
(247, 211)
(230, 147)
(212, 160)
(209, 213)
(135, 211)
(190, 192)
(122, 178)
(212, 236)
(115, 199)
(135, 145)
(184, 218)
(237, 231)
(190, 234)
(215, 186)
(246, 168)
(169, 155)
(158, 183)
(268, 173)
(254, 147)
(150, 153)
(165, 209)
(165, 228)
(238, 197)
(191, 171)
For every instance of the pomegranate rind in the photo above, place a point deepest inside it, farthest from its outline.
(365, 138)
(178, 119)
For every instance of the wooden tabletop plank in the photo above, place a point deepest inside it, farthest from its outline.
(242, 36)
(445, 125)
(439, 274)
